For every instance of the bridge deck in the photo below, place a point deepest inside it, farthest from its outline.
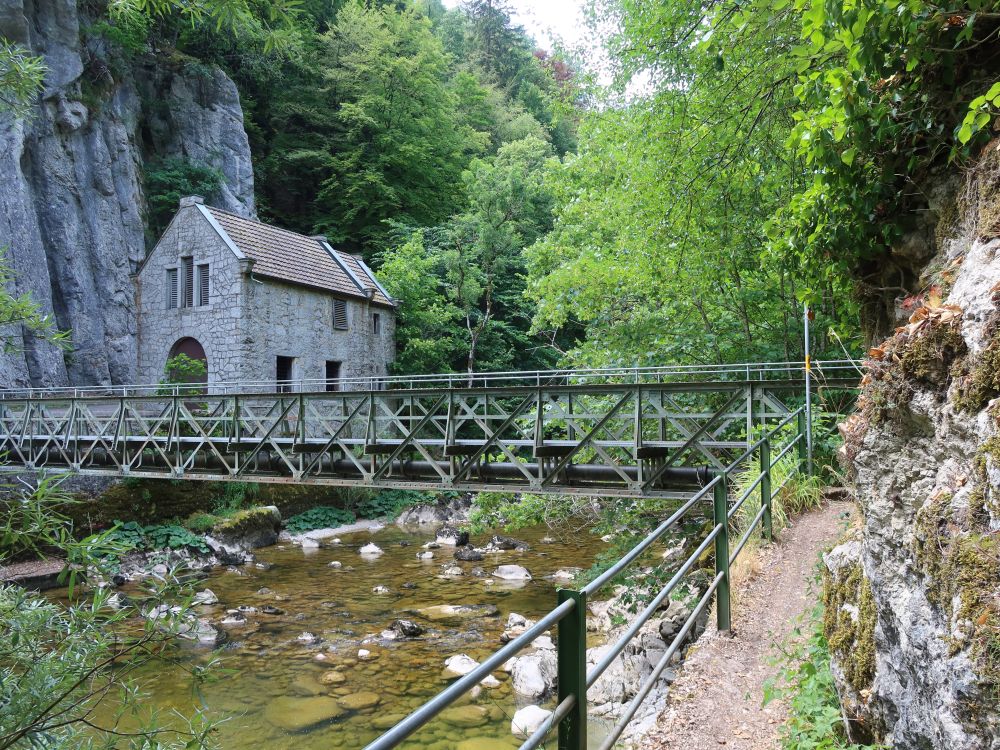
(609, 438)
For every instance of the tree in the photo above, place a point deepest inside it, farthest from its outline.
(396, 149)
(659, 247)
(426, 318)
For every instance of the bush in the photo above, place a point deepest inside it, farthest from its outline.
(168, 180)
(390, 503)
(132, 536)
(320, 517)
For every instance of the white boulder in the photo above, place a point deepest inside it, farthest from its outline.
(527, 720)
(512, 573)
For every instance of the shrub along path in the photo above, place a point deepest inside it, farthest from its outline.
(716, 699)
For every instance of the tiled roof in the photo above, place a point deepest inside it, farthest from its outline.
(288, 256)
(362, 272)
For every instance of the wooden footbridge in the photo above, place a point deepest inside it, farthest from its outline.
(649, 432)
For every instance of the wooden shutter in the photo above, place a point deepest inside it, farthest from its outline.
(171, 288)
(340, 314)
(187, 282)
(203, 284)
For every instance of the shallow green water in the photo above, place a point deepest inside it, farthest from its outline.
(272, 669)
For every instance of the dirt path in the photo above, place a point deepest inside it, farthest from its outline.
(716, 699)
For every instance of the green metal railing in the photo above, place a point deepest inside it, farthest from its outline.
(570, 613)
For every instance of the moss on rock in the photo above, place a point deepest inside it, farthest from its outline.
(849, 624)
(962, 569)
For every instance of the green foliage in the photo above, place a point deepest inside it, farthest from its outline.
(21, 75)
(389, 503)
(170, 179)
(55, 654)
(806, 683)
(494, 510)
(462, 283)
(320, 517)
(235, 496)
(201, 523)
(887, 94)
(21, 314)
(133, 536)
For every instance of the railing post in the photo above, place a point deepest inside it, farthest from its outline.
(803, 448)
(722, 600)
(765, 486)
(572, 670)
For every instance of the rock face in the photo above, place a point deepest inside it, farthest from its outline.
(71, 184)
(913, 603)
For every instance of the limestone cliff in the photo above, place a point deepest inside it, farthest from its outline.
(913, 603)
(71, 183)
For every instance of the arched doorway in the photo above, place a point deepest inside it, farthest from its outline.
(192, 367)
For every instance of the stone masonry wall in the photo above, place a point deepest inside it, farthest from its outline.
(216, 325)
(249, 322)
(292, 321)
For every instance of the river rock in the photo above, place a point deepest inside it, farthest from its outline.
(564, 575)
(426, 514)
(456, 612)
(516, 625)
(360, 701)
(380, 590)
(307, 638)
(206, 597)
(333, 677)
(533, 675)
(450, 536)
(370, 550)
(310, 544)
(336, 564)
(452, 571)
(483, 743)
(366, 655)
(406, 628)
(468, 553)
(527, 720)
(512, 573)
(465, 716)
(298, 714)
(459, 665)
(428, 555)
(504, 543)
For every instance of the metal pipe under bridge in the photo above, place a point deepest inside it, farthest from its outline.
(649, 432)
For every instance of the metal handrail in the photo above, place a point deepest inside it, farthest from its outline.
(739, 372)
(457, 689)
(571, 702)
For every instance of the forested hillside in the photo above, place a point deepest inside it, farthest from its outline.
(738, 161)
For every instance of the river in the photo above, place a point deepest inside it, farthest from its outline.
(271, 685)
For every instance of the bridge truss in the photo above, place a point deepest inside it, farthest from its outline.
(642, 438)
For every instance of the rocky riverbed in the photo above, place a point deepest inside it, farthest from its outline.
(331, 643)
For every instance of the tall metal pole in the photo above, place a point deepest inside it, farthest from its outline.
(809, 440)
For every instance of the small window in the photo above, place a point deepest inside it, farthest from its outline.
(333, 376)
(340, 315)
(376, 324)
(187, 281)
(203, 284)
(172, 292)
(283, 372)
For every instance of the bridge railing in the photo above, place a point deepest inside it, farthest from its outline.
(569, 717)
(738, 372)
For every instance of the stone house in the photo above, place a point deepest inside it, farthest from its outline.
(259, 304)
